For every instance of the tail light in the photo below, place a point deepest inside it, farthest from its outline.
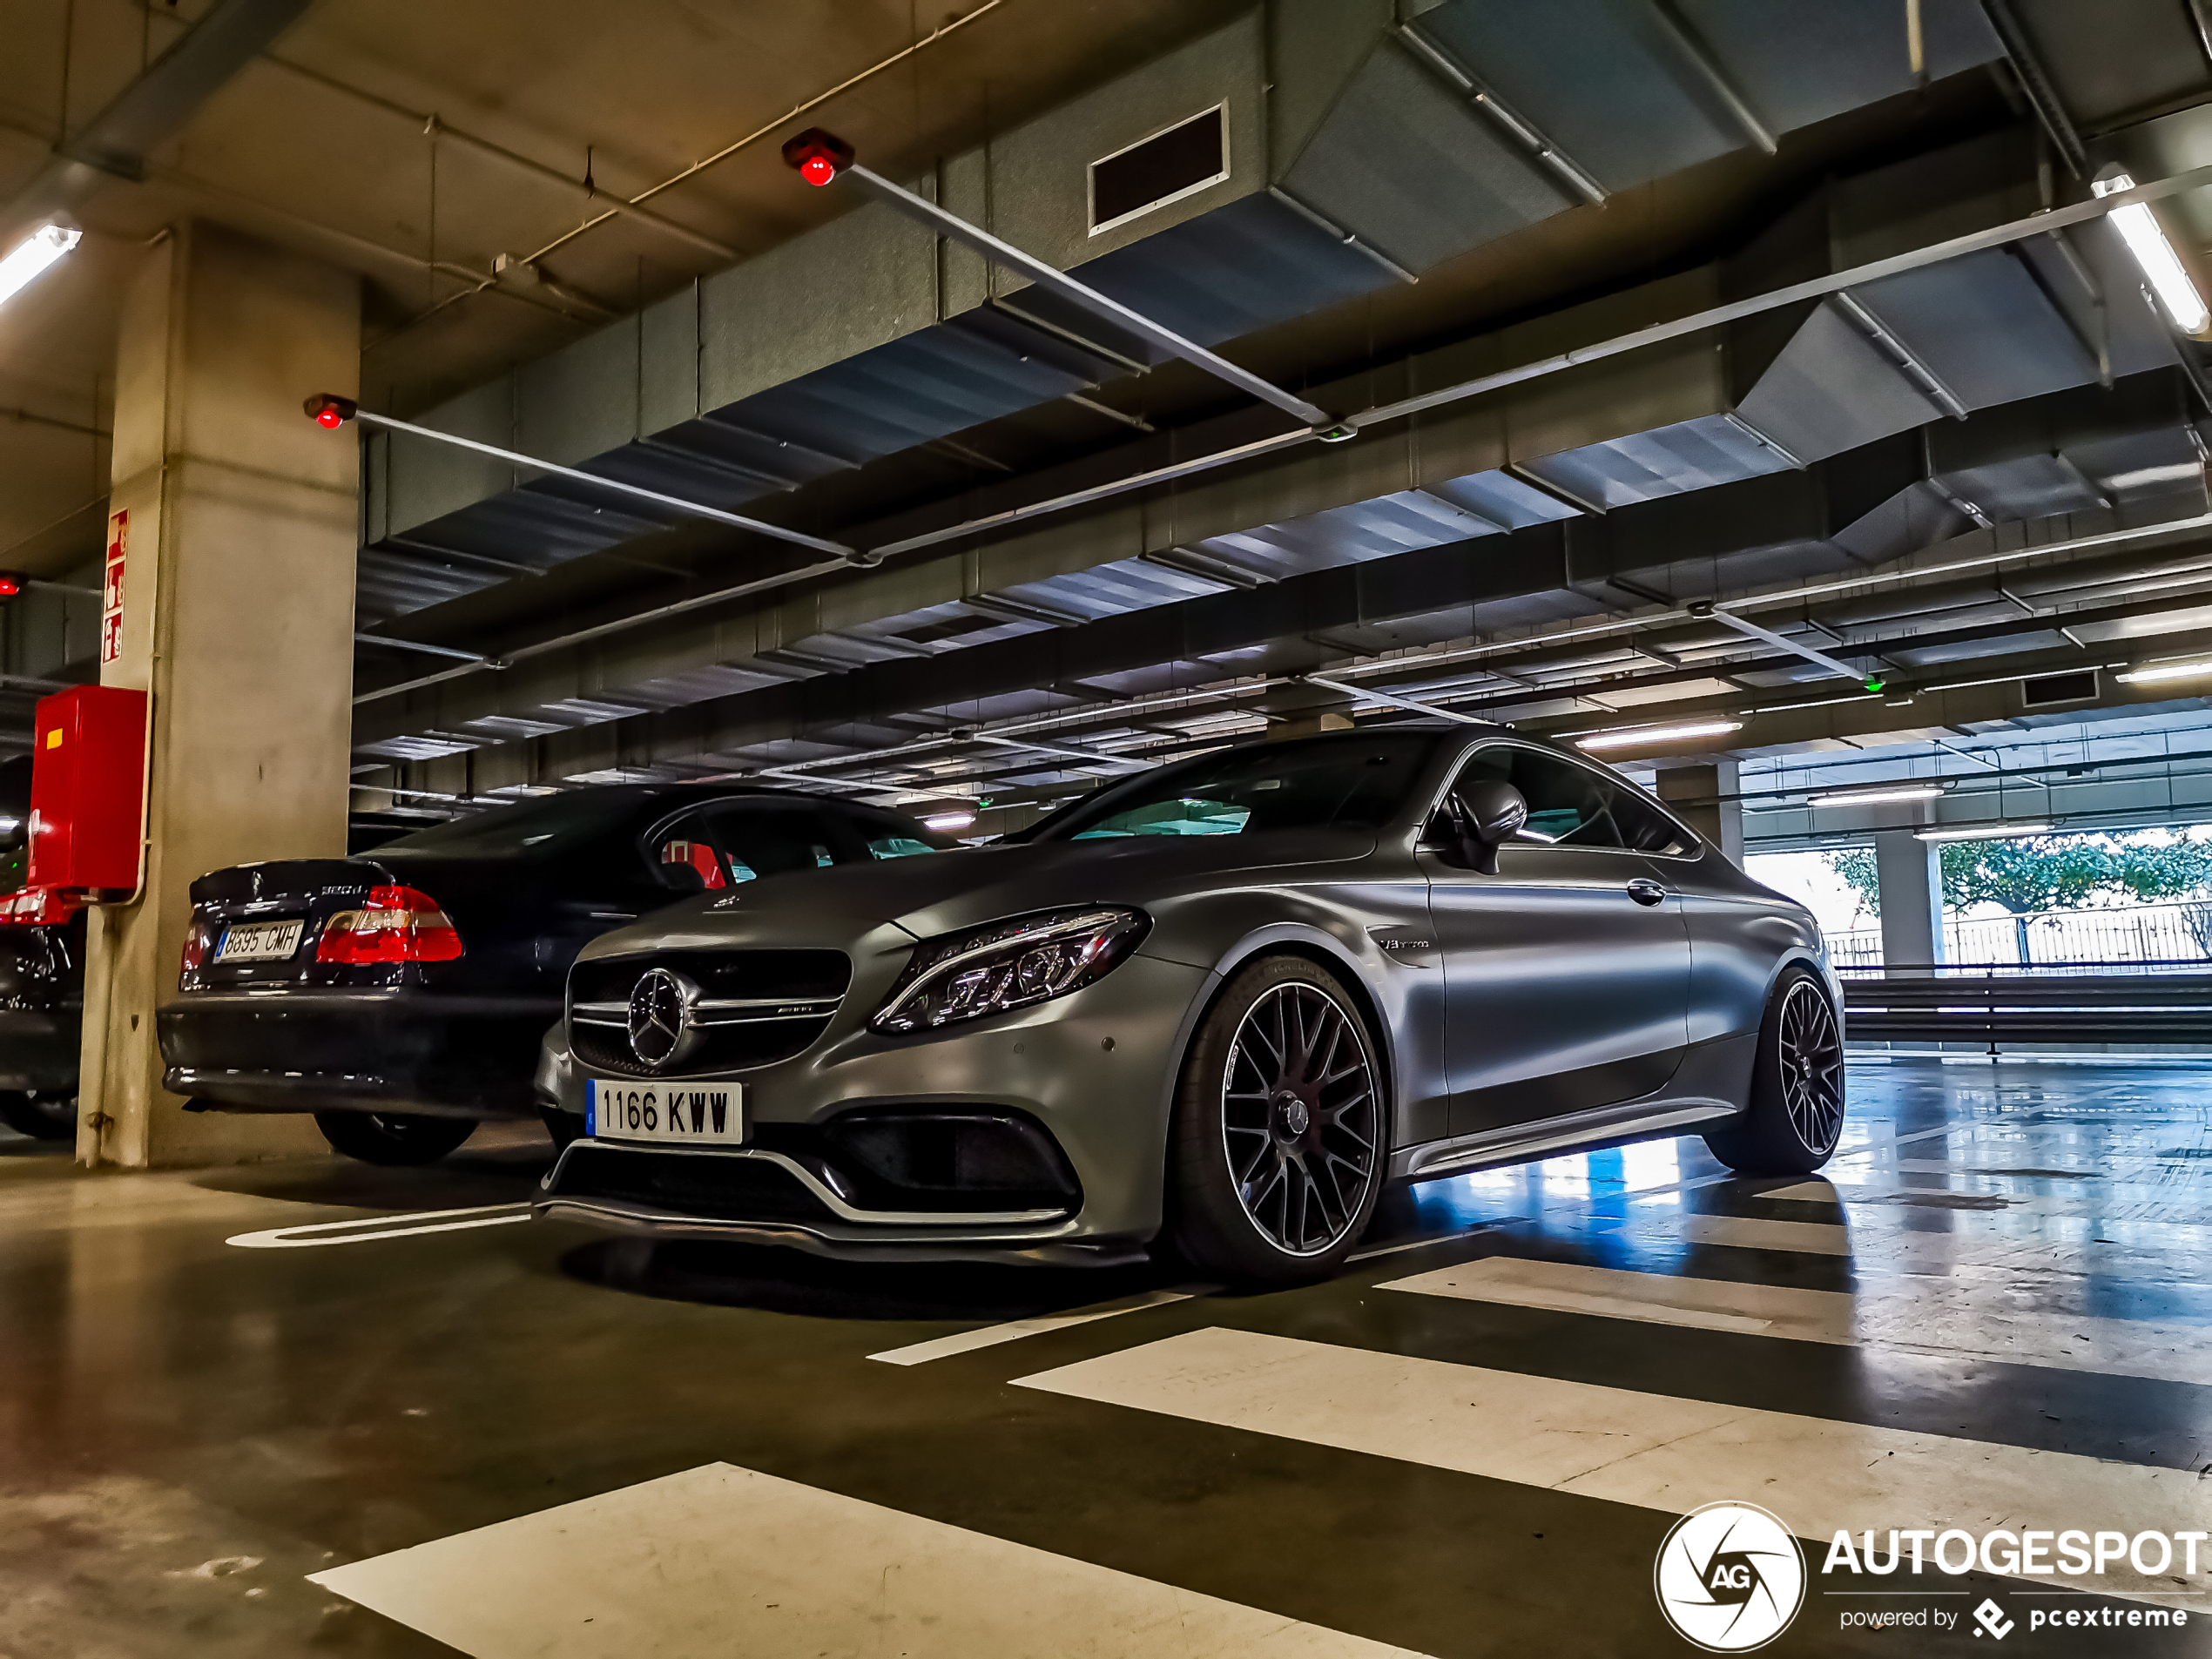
(393, 925)
(195, 950)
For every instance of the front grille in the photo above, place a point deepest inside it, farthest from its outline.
(725, 1187)
(734, 1038)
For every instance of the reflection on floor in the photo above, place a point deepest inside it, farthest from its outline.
(319, 1408)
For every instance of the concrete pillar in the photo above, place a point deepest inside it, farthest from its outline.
(1704, 796)
(238, 615)
(1910, 880)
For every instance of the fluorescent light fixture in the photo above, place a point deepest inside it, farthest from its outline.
(946, 823)
(1658, 734)
(1985, 832)
(45, 245)
(2145, 239)
(2164, 671)
(1879, 794)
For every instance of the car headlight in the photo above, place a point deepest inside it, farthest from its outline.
(1009, 965)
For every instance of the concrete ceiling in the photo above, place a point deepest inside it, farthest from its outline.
(1527, 553)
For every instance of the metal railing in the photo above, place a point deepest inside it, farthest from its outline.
(2163, 938)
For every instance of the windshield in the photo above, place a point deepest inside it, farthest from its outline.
(551, 822)
(1348, 782)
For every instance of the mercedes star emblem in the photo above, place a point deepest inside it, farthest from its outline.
(660, 1017)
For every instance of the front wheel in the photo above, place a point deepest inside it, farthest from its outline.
(41, 1117)
(1276, 1154)
(1795, 1114)
(394, 1138)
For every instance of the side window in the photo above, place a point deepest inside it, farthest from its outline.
(771, 838)
(685, 858)
(891, 838)
(1571, 806)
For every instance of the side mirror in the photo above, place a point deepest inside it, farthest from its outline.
(1490, 814)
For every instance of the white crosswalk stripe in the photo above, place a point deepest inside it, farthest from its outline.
(720, 1560)
(1908, 1314)
(1655, 1451)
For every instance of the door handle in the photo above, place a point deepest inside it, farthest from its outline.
(1644, 890)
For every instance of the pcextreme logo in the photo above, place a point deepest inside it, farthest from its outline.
(1730, 1577)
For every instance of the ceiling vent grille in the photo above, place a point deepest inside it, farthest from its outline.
(2047, 691)
(1175, 162)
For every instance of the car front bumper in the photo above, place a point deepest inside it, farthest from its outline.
(406, 1051)
(1095, 1070)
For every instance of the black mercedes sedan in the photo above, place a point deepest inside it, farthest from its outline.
(401, 996)
(1222, 1002)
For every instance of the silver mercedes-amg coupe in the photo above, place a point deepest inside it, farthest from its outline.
(1217, 1005)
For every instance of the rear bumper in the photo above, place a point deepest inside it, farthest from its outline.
(406, 1051)
(38, 1050)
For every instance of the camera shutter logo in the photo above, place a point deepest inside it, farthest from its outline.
(1730, 1577)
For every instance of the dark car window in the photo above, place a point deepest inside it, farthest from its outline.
(772, 837)
(1325, 783)
(552, 823)
(887, 836)
(1572, 806)
(685, 845)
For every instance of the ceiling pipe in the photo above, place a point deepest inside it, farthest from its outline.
(1705, 610)
(1700, 59)
(437, 128)
(1523, 133)
(2042, 97)
(1052, 280)
(696, 510)
(1367, 694)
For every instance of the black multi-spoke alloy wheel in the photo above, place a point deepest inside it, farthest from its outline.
(45, 1117)
(1795, 1112)
(1279, 1144)
(394, 1138)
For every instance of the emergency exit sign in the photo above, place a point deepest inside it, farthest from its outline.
(119, 541)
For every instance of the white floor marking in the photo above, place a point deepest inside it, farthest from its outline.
(1908, 1314)
(1967, 1201)
(1651, 1450)
(719, 1562)
(1014, 1330)
(369, 1229)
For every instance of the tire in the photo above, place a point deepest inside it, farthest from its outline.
(1795, 1112)
(563, 1127)
(41, 1117)
(394, 1138)
(1273, 1170)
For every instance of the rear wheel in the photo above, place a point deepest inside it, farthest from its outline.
(43, 1116)
(1276, 1154)
(1797, 1106)
(394, 1138)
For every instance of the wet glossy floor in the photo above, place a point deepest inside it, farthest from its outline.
(1994, 1314)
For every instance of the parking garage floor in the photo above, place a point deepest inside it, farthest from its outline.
(319, 1407)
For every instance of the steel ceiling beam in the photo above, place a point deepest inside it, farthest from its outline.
(1753, 630)
(115, 142)
(1392, 699)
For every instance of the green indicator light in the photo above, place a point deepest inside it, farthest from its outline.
(1876, 685)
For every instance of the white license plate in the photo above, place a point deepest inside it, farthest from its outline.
(679, 1116)
(260, 942)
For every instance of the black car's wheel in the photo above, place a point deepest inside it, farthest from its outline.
(44, 1116)
(1277, 1152)
(394, 1138)
(1797, 1106)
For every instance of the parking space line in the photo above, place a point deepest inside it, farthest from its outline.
(373, 1228)
(1966, 1200)
(1910, 1315)
(1655, 1451)
(1014, 1330)
(721, 1560)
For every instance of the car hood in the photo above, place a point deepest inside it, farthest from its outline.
(866, 907)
